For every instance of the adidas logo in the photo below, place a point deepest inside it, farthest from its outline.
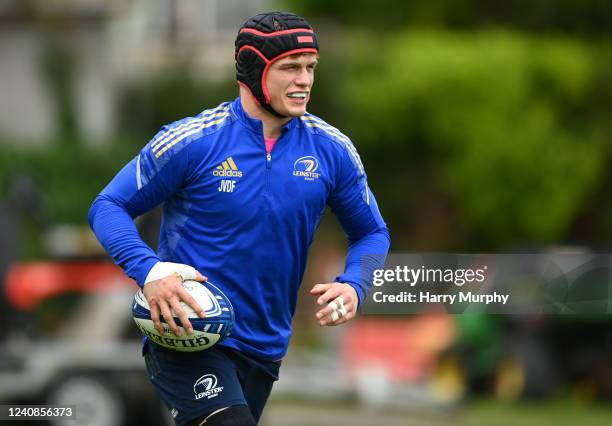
(227, 169)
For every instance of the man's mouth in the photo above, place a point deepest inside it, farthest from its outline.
(298, 95)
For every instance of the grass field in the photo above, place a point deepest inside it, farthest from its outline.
(480, 413)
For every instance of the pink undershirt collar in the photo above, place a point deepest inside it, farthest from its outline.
(270, 142)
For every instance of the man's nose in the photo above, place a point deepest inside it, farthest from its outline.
(303, 78)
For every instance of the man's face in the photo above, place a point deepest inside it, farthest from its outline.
(289, 82)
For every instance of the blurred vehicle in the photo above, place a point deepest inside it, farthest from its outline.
(70, 340)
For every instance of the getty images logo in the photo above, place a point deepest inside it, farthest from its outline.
(206, 386)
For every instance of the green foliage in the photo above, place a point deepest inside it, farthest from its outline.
(499, 123)
(67, 175)
(589, 18)
(58, 67)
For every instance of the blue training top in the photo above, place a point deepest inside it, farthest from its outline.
(243, 217)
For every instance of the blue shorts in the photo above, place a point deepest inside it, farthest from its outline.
(194, 384)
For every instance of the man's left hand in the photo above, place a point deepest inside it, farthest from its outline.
(340, 301)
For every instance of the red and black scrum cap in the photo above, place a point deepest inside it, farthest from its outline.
(265, 38)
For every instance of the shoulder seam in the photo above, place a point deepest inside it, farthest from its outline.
(174, 135)
(312, 121)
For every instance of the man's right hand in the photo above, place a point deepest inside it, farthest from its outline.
(164, 292)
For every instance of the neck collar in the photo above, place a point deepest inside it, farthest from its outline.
(255, 124)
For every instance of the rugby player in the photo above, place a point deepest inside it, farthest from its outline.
(244, 186)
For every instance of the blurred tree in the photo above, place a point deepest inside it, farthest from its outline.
(68, 177)
(58, 65)
(592, 18)
(481, 141)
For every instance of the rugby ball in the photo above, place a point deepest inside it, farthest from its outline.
(207, 332)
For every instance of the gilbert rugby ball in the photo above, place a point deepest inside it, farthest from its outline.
(207, 332)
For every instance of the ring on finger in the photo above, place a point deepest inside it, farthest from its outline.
(333, 305)
(337, 303)
(335, 316)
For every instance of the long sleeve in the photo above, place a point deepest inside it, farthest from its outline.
(148, 180)
(368, 236)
